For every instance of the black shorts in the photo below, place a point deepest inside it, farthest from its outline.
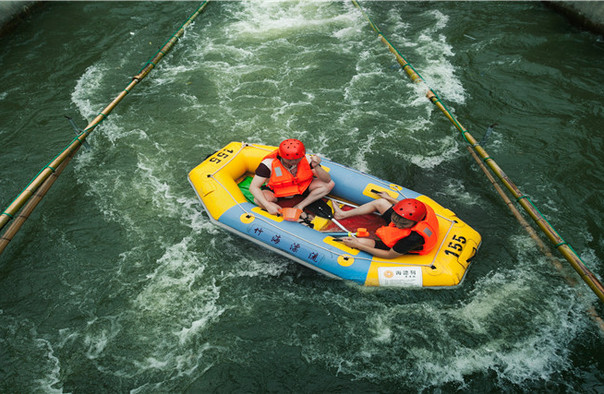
(387, 216)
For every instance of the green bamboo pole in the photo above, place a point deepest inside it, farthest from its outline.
(33, 202)
(562, 246)
(50, 168)
(533, 234)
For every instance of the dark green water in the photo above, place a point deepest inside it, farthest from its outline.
(119, 282)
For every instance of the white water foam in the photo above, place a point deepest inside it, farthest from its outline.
(438, 72)
(455, 190)
(269, 20)
(446, 150)
(177, 304)
(258, 268)
(86, 86)
(53, 375)
(433, 54)
(138, 188)
(99, 333)
(38, 366)
(398, 332)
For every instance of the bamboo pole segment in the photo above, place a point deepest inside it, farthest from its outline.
(533, 234)
(170, 43)
(407, 67)
(529, 229)
(50, 168)
(562, 246)
(33, 202)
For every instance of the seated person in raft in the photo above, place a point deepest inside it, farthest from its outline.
(412, 227)
(289, 172)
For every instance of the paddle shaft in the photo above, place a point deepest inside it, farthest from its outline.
(342, 227)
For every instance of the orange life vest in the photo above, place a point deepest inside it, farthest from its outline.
(283, 183)
(427, 228)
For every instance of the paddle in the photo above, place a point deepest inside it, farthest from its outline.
(320, 208)
(361, 232)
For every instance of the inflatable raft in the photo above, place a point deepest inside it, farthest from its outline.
(219, 183)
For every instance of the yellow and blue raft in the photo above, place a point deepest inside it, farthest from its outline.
(217, 183)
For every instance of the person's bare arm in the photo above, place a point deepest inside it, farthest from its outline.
(358, 244)
(386, 196)
(315, 163)
(261, 200)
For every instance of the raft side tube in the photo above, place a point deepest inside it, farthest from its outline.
(298, 242)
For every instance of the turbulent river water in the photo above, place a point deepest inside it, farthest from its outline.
(119, 282)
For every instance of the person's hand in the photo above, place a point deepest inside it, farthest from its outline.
(315, 161)
(350, 242)
(273, 208)
(387, 197)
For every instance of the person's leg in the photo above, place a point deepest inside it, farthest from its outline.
(380, 205)
(269, 195)
(317, 189)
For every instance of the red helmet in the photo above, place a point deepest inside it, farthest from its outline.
(411, 209)
(292, 149)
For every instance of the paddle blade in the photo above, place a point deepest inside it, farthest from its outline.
(321, 209)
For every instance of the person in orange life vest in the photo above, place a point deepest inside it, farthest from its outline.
(288, 172)
(412, 227)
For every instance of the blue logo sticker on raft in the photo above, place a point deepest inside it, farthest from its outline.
(290, 244)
